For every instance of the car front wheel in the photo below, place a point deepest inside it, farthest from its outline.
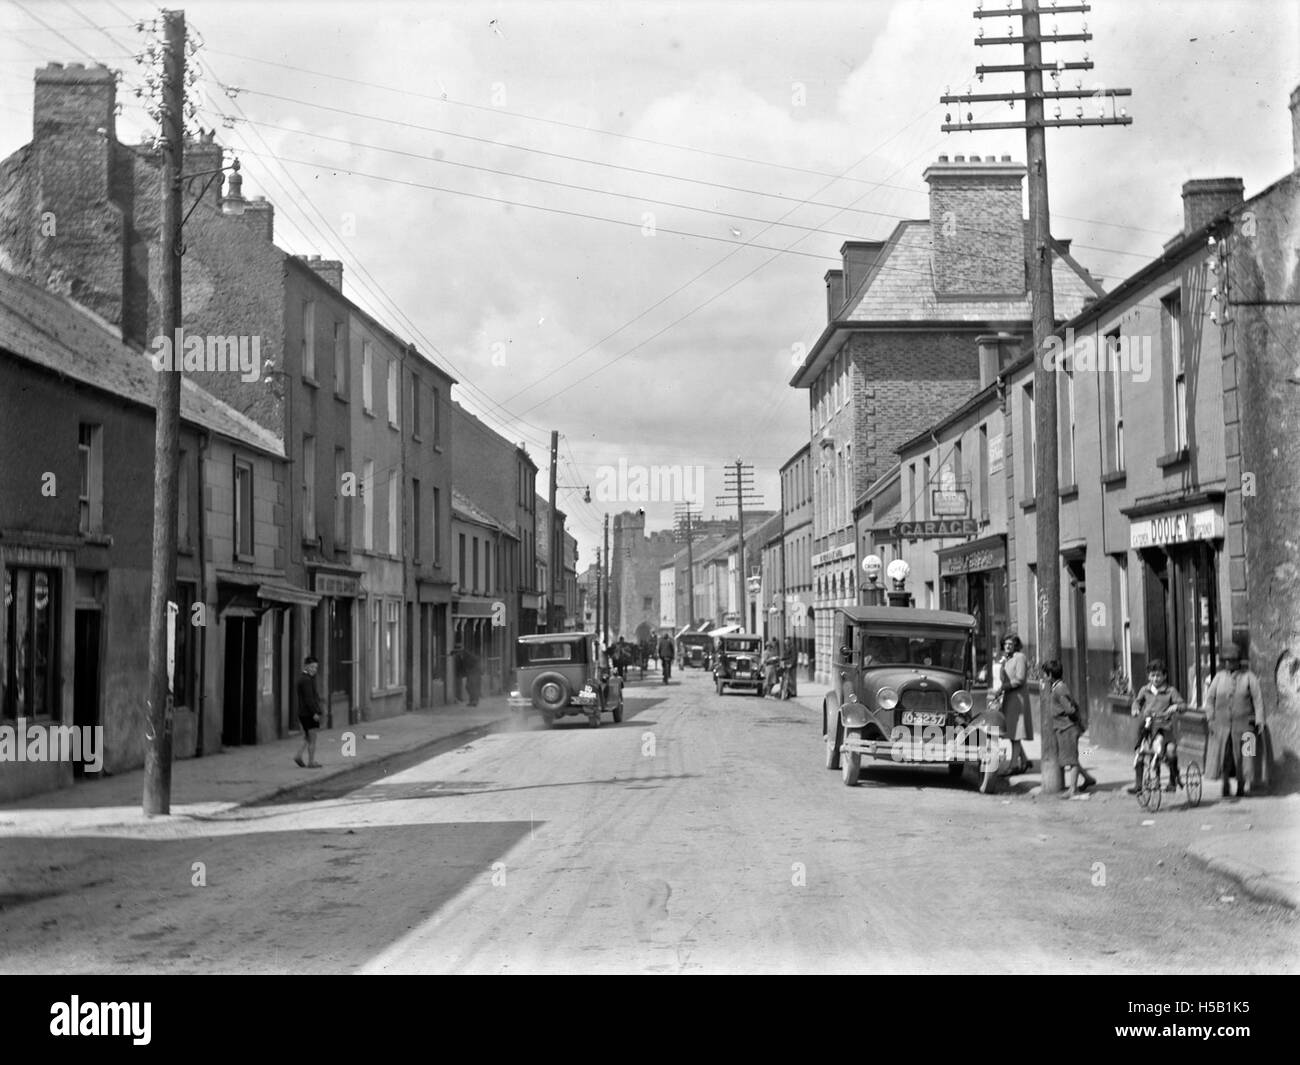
(851, 763)
(832, 737)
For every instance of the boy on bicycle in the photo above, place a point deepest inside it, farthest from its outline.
(1157, 705)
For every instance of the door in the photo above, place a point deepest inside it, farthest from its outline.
(85, 699)
(239, 696)
(340, 659)
(1078, 674)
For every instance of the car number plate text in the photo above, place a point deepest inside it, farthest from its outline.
(916, 717)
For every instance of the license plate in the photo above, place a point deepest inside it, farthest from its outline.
(916, 717)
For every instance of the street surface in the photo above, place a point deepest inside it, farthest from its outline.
(701, 835)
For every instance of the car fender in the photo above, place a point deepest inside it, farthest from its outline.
(853, 714)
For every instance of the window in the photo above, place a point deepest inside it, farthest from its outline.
(340, 359)
(416, 515)
(243, 528)
(460, 562)
(647, 602)
(394, 513)
(984, 471)
(393, 419)
(31, 672)
(1030, 435)
(392, 642)
(474, 539)
(1114, 406)
(183, 502)
(367, 378)
(1173, 314)
(90, 454)
(415, 406)
(437, 526)
(376, 643)
(309, 488)
(368, 505)
(925, 489)
(487, 566)
(340, 500)
(1068, 475)
(309, 340)
(1037, 616)
(1123, 621)
(956, 462)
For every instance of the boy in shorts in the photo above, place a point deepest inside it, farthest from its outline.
(1156, 706)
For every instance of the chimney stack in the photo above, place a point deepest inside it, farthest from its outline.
(328, 270)
(859, 257)
(977, 227)
(202, 155)
(834, 293)
(997, 351)
(259, 216)
(1207, 198)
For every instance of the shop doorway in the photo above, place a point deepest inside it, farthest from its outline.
(85, 690)
(340, 662)
(1075, 659)
(239, 695)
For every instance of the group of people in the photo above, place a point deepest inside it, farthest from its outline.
(1234, 708)
(780, 670)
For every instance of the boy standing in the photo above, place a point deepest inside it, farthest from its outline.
(309, 713)
(1156, 706)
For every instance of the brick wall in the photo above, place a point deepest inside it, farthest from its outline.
(977, 225)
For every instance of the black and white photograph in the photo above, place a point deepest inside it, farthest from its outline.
(634, 487)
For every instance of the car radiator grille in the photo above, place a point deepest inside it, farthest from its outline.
(931, 701)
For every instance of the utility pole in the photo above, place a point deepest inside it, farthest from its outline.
(1035, 124)
(686, 530)
(740, 479)
(598, 582)
(604, 632)
(554, 553)
(158, 733)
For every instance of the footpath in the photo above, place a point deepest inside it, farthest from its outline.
(1254, 841)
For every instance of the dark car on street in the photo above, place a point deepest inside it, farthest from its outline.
(901, 693)
(695, 649)
(738, 662)
(562, 674)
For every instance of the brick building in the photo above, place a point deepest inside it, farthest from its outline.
(904, 315)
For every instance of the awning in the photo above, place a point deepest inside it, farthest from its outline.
(284, 593)
(472, 608)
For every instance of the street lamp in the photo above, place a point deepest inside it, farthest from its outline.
(231, 205)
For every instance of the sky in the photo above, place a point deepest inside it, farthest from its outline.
(614, 219)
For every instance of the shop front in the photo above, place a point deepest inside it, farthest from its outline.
(478, 625)
(973, 579)
(333, 627)
(1180, 552)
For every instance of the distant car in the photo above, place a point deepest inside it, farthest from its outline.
(562, 674)
(738, 662)
(695, 649)
(902, 693)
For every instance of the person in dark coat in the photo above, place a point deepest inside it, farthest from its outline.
(1015, 701)
(1234, 706)
(1061, 714)
(666, 653)
(467, 666)
(309, 713)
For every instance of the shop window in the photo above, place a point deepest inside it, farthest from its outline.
(31, 667)
(376, 644)
(392, 643)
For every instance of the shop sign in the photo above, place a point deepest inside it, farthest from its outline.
(1179, 528)
(973, 561)
(953, 503)
(332, 584)
(995, 453)
(843, 551)
(936, 530)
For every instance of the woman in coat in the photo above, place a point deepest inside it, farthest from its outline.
(1234, 705)
(1015, 701)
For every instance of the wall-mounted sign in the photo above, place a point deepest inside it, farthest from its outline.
(995, 453)
(1179, 528)
(973, 561)
(950, 503)
(937, 529)
(332, 584)
(835, 553)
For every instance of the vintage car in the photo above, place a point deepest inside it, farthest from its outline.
(563, 674)
(738, 662)
(695, 649)
(901, 693)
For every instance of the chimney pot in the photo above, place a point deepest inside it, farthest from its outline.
(1006, 158)
(943, 158)
(958, 158)
(974, 158)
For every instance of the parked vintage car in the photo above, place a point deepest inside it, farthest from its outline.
(695, 649)
(738, 662)
(901, 694)
(564, 674)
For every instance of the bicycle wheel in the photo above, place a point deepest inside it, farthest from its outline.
(1143, 795)
(1151, 786)
(1192, 781)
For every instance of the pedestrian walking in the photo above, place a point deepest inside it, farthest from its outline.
(1015, 701)
(1235, 706)
(309, 713)
(666, 652)
(1069, 722)
(622, 654)
(789, 670)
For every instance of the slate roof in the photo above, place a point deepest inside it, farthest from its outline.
(464, 507)
(53, 332)
(900, 287)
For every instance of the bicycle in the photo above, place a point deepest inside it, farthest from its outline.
(1154, 753)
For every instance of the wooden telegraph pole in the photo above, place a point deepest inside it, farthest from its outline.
(1035, 125)
(740, 479)
(158, 733)
(686, 531)
(604, 632)
(554, 552)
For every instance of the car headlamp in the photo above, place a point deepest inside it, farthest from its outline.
(887, 698)
(961, 701)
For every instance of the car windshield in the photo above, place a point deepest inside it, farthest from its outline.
(559, 651)
(944, 650)
(741, 647)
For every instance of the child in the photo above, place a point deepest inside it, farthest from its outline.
(1157, 705)
(1068, 724)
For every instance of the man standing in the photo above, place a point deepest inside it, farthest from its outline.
(1235, 706)
(467, 666)
(309, 713)
(666, 655)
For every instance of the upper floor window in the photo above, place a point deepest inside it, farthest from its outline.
(415, 406)
(393, 418)
(243, 516)
(1030, 435)
(340, 359)
(1172, 307)
(367, 377)
(90, 497)
(309, 339)
(1114, 396)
